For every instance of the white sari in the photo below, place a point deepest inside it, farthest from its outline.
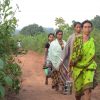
(55, 53)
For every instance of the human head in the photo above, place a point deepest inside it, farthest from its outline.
(77, 27)
(87, 27)
(59, 34)
(51, 37)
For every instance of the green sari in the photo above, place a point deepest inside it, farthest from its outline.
(84, 69)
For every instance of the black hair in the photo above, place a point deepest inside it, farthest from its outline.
(87, 21)
(51, 34)
(75, 23)
(59, 31)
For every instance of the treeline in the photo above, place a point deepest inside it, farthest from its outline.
(34, 29)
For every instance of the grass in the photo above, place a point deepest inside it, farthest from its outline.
(35, 43)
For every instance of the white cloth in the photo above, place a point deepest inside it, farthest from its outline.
(19, 44)
(55, 52)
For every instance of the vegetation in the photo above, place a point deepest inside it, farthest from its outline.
(32, 30)
(60, 22)
(96, 22)
(35, 43)
(9, 70)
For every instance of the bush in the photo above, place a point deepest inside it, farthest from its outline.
(35, 43)
(10, 71)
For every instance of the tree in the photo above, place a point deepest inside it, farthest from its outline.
(96, 21)
(60, 22)
(9, 70)
(32, 29)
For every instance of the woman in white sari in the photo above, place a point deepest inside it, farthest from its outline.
(54, 55)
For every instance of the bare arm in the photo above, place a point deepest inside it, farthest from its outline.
(46, 54)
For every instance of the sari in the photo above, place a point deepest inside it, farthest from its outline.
(68, 50)
(55, 52)
(67, 55)
(84, 67)
(54, 56)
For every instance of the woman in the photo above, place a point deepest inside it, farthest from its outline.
(82, 62)
(54, 55)
(69, 44)
(67, 53)
(47, 45)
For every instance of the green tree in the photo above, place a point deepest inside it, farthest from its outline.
(96, 21)
(60, 22)
(32, 29)
(9, 70)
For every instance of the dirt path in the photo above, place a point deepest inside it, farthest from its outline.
(33, 87)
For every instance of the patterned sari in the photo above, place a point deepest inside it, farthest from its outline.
(84, 66)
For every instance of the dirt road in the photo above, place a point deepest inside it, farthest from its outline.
(33, 87)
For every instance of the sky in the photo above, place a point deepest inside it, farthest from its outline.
(44, 12)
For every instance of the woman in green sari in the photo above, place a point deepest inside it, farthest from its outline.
(82, 62)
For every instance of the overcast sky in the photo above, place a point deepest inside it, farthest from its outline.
(44, 12)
